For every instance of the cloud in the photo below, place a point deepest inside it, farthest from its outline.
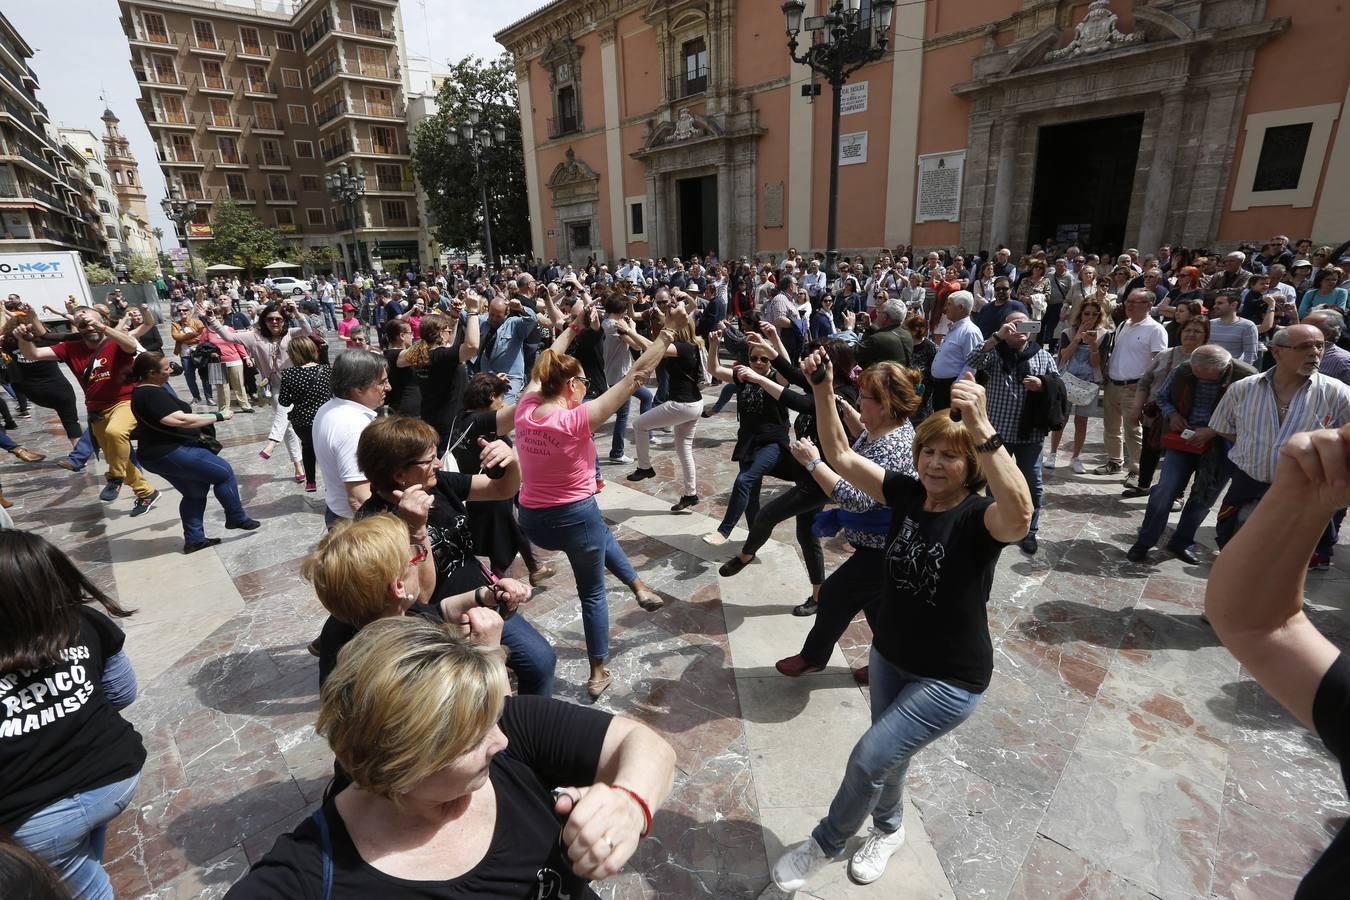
(450, 31)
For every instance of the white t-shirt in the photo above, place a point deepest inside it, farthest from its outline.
(1135, 345)
(337, 429)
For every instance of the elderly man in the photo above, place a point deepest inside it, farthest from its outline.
(814, 281)
(1232, 276)
(1187, 400)
(781, 311)
(891, 341)
(1015, 367)
(963, 338)
(1135, 344)
(360, 382)
(1059, 301)
(1260, 413)
(1003, 268)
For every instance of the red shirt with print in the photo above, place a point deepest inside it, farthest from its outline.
(108, 367)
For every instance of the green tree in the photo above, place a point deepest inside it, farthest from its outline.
(239, 238)
(95, 273)
(453, 198)
(141, 267)
(312, 259)
(159, 237)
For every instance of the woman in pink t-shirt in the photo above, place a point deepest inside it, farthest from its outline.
(558, 511)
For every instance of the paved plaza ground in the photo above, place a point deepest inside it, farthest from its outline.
(1120, 751)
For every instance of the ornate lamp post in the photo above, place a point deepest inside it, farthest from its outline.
(346, 187)
(181, 212)
(480, 140)
(842, 43)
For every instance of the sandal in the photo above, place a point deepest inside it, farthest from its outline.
(597, 686)
(264, 454)
(649, 599)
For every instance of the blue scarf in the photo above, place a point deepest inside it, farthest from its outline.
(831, 521)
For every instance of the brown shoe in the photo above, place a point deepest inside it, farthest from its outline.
(27, 455)
(597, 686)
(5, 502)
(542, 574)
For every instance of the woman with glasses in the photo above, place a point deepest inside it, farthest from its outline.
(269, 346)
(186, 331)
(554, 438)
(1080, 355)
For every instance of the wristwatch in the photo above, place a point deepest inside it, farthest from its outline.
(990, 445)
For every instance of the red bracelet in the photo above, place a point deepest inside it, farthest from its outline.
(642, 804)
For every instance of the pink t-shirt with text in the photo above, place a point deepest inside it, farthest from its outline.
(557, 455)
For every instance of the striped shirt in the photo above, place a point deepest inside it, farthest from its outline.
(1249, 411)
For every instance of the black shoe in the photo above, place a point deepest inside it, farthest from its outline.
(200, 545)
(1133, 490)
(806, 609)
(733, 566)
(1028, 545)
(1138, 553)
(684, 503)
(110, 489)
(706, 414)
(245, 525)
(143, 504)
(11, 425)
(641, 474)
(1185, 554)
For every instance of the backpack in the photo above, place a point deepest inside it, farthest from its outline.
(205, 354)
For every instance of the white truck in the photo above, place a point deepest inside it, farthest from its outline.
(45, 279)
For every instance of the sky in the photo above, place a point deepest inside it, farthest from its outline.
(82, 53)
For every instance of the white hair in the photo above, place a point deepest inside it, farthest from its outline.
(963, 299)
(1211, 358)
(894, 309)
(1238, 255)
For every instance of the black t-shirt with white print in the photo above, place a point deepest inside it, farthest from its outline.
(763, 420)
(939, 569)
(59, 734)
(550, 744)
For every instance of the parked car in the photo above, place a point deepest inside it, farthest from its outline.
(288, 285)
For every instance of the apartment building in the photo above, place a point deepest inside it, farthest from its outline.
(46, 198)
(100, 187)
(258, 103)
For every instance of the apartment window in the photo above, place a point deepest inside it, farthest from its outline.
(192, 186)
(96, 178)
(367, 21)
(104, 207)
(383, 140)
(229, 150)
(213, 76)
(389, 178)
(563, 64)
(276, 187)
(1283, 150)
(372, 61)
(637, 220)
(257, 79)
(310, 183)
(568, 119)
(285, 40)
(180, 150)
(236, 186)
(250, 41)
(220, 112)
(379, 102)
(204, 35)
(264, 115)
(155, 29)
(695, 55)
(171, 107)
(314, 216)
(304, 149)
(395, 212)
(285, 219)
(165, 70)
(299, 115)
(111, 232)
(291, 78)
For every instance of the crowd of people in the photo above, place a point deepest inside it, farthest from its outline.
(448, 422)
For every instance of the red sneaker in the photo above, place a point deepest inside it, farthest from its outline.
(796, 666)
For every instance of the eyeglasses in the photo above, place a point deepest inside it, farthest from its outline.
(274, 319)
(1319, 346)
(761, 359)
(420, 552)
(583, 379)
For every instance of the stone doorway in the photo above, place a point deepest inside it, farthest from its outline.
(1083, 198)
(697, 215)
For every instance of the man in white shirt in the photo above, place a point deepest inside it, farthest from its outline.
(1135, 344)
(814, 281)
(1278, 274)
(360, 381)
(963, 338)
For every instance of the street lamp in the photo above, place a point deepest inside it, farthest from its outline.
(181, 212)
(847, 44)
(479, 141)
(345, 186)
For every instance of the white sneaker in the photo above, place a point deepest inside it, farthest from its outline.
(716, 538)
(619, 460)
(1048, 460)
(796, 867)
(1076, 466)
(869, 863)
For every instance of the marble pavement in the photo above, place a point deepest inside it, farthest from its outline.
(1119, 753)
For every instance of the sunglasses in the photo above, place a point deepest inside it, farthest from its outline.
(761, 359)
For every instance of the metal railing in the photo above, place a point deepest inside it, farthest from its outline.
(387, 110)
(171, 154)
(34, 157)
(153, 76)
(324, 73)
(366, 31)
(262, 50)
(272, 159)
(327, 115)
(171, 117)
(21, 114)
(283, 196)
(687, 84)
(267, 124)
(214, 83)
(387, 183)
(260, 86)
(226, 121)
(234, 158)
(335, 150)
(563, 125)
(312, 35)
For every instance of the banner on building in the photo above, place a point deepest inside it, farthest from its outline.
(853, 148)
(853, 98)
(940, 176)
(198, 231)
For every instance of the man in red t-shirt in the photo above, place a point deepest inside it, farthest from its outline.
(101, 361)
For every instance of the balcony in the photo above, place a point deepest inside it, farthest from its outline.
(384, 184)
(214, 84)
(19, 113)
(161, 118)
(407, 220)
(269, 126)
(336, 150)
(563, 125)
(213, 46)
(316, 32)
(253, 51)
(327, 115)
(230, 158)
(324, 73)
(374, 110)
(260, 87)
(342, 224)
(228, 122)
(153, 39)
(272, 160)
(196, 192)
(16, 82)
(160, 78)
(242, 196)
(689, 84)
(36, 159)
(282, 195)
(358, 69)
(351, 29)
(184, 156)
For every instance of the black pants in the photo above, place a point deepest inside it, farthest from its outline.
(251, 382)
(803, 501)
(854, 586)
(60, 397)
(941, 389)
(306, 435)
(1148, 463)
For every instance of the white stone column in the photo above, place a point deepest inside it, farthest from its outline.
(1158, 193)
(801, 119)
(533, 186)
(609, 76)
(906, 86)
(1003, 181)
(726, 175)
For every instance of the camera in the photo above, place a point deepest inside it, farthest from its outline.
(175, 368)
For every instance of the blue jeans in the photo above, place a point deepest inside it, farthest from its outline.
(723, 398)
(7, 442)
(1177, 469)
(85, 447)
(195, 472)
(70, 833)
(191, 376)
(529, 656)
(1028, 459)
(908, 713)
(662, 385)
(644, 398)
(330, 318)
(579, 530)
(745, 489)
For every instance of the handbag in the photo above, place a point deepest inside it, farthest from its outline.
(206, 435)
(1081, 392)
(1173, 440)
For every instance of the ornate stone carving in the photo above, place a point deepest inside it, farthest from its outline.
(573, 181)
(686, 127)
(1095, 34)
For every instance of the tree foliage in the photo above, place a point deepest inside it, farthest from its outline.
(239, 238)
(96, 273)
(312, 259)
(447, 172)
(141, 267)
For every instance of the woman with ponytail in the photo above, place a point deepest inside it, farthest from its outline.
(556, 450)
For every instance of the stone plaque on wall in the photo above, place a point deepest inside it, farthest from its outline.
(773, 205)
(940, 177)
(853, 148)
(853, 98)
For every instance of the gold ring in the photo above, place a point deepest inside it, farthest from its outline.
(609, 845)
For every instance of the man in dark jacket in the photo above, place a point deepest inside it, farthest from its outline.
(891, 341)
(1186, 401)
